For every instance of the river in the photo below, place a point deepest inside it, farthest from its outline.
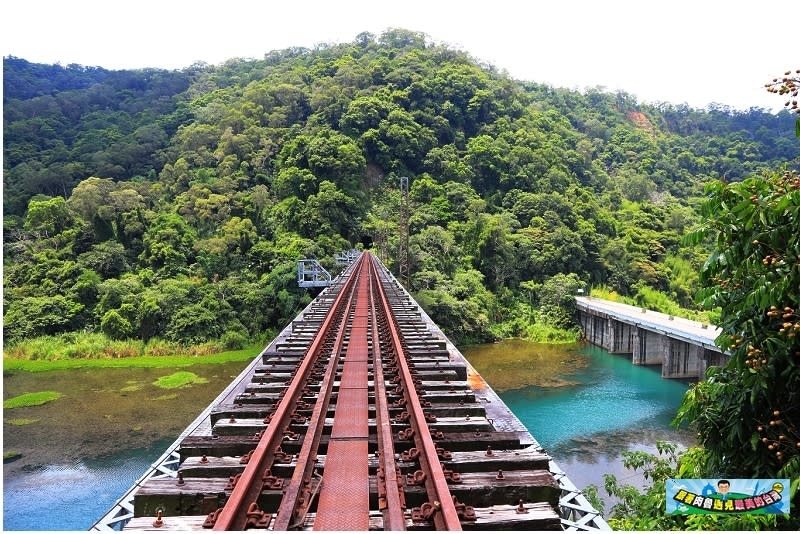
(84, 450)
(583, 405)
(80, 453)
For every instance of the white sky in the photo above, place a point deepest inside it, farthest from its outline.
(692, 51)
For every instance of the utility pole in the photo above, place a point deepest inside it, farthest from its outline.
(403, 261)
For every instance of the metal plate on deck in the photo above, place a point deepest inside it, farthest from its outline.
(358, 347)
(344, 498)
(352, 410)
(357, 355)
(355, 375)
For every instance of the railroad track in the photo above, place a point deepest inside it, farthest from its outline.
(360, 419)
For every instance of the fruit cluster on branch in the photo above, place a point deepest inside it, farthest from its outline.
(788, 85)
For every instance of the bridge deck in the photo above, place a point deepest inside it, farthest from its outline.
(467, 417)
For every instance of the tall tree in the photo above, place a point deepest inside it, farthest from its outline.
(747, 414)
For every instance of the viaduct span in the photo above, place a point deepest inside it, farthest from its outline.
(683, 348)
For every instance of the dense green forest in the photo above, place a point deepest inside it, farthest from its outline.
(172, 205)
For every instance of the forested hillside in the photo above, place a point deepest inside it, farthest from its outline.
(172, 205)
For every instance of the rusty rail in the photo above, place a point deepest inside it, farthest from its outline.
(242, 506)
(441, 508)
(390, 493)
(344, 496)
(241, 510)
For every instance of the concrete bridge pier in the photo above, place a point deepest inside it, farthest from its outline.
(678, 358)
(682, 360)
(649, 348)
(593, 329)
(621, 337)
(614, 336)
(686, 360)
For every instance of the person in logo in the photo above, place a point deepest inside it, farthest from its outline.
(723, 487)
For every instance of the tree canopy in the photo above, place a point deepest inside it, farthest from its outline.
(173, 204)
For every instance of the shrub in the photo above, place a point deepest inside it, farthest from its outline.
(161, 347)
(115, 325)
(234, 339)
(37, 316)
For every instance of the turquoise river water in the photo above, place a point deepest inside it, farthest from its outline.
(583, 405)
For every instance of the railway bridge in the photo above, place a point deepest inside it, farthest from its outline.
(683, 348)
(359, 415)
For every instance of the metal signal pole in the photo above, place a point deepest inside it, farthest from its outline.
(403, 261)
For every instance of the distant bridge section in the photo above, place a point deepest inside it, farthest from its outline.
(683, 348)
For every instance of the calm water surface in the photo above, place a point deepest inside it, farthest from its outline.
(81, 452)
(582, 404)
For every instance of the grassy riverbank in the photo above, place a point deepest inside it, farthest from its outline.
(536, 332)
(548, 325)
(173, 360)
(34, 366)
(95, 350)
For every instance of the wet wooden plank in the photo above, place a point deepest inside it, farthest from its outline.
(187, 522)
(537, 516)
(507, 460)
(203, 495)
(483, 489)
(452, 441)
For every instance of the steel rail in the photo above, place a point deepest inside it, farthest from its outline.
(344, 502)
(291, 502)
(233, 516)
(392, 504)
(445, 515)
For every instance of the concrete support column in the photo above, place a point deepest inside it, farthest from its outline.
(672, 360)
(648, 347)
(594, 330)
(609, 334)
(703, 363)
(683, 360)
(622, 338)
(638, 345)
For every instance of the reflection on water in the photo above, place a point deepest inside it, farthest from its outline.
(91, 445)
(72, 496)
(516, 363)
(584, 405)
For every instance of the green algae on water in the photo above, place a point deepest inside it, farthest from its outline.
(179, 379)
(517, 363)
(168, 396)
(21, 421)
(132, 385)
(31, 399)
(10, 456)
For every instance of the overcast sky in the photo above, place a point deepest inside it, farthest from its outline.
(678, 51)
